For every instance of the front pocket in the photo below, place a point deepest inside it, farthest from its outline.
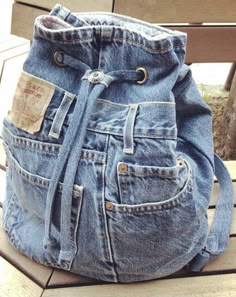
(155, 239)
(147, 184)
(24, 216)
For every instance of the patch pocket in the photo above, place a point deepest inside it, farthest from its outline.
(152, 240)
(146, 184)
(25, 216)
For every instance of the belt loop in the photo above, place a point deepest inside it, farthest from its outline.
(128, 136)
(63, 13)
(61, 115)
(106, 34)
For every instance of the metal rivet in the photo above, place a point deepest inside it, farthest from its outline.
(59, 58)
(96, 76)
(109, 205)
(122, 168)
(145, 75)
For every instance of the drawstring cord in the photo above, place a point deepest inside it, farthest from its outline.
(93, 84)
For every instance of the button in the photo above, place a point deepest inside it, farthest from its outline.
(122, 168)
(109, 205)
(96, 76)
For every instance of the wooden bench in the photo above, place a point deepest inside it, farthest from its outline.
(19, 276)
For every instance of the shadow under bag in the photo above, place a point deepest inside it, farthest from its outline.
(110, 152)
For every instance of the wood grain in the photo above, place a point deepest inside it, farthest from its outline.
(179, 11)
(207, 286)
(15, 284)
(62, 278)
(209, 43)
(21, 25)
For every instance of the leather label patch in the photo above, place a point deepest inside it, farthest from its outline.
(31, 99)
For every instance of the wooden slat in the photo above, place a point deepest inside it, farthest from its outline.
(75, 6)
(62, 278)
(209, 43)
(39, 273)
(231, 166)
(179, 11)
(15, 284)
(21, 25)
(207, 286)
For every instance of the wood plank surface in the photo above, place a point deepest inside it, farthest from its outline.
(62, 278)
(75, 6)
(39, 273)
(21, 25)
(15, 284)
(231, 166)
(179, 11)
(207, 286)
(203, 41)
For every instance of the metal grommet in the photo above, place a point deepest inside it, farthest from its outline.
(59, 58)
(145, 75)
(180, 163)
(122, 168)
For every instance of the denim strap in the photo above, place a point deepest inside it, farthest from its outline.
(220, 230)
(93, 84)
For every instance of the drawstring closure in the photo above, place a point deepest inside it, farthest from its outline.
(93, 84)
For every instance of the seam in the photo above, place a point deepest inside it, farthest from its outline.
(107, 234)
(147, 175)
(138, 135)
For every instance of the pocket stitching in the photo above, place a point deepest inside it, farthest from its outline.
(156, 206)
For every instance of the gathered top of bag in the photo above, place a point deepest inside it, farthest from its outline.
(62, 26)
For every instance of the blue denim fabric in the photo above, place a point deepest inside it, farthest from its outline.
(116, 183)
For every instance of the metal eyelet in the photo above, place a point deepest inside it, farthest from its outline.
(181, 163)
(59, 58)
(145, 75)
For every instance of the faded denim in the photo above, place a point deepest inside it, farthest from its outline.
(116, 183)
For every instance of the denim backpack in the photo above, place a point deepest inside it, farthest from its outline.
(110, 152)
